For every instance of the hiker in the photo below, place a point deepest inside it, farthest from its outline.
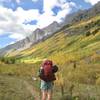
(47, 76)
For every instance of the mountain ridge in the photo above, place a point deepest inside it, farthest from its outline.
(35, 37)
(42, 34)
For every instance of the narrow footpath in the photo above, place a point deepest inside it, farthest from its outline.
(30, 88)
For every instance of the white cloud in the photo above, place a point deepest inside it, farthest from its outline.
(4, 1)
(17, 36)
(1, 31)
(18, 1)
(23, 15)
(12, 22)
(48, 14)
(34, 0)
(60, 3)
(47, 6)
(45, 19)
(66, 9)
(92, 1)
(12, 42)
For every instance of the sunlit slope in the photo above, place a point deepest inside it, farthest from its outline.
(73, 42)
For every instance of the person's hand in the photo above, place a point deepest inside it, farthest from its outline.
(34, 78)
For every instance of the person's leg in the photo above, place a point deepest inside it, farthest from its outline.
(49, 94)
(44, 94)
(43, 90)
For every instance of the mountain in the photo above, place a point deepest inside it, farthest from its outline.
(44, 33)
(35, 37)
(52, 28)
(82, 14)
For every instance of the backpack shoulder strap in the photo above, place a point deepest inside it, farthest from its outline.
(41, 71)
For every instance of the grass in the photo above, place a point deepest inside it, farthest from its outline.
(13, 88)
(83, 77)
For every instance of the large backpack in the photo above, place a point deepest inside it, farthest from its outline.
(47, 73)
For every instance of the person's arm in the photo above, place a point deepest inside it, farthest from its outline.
(55, 68)
(40, 71)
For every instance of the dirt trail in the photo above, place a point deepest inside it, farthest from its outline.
(30, 88)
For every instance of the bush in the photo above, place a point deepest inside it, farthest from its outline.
(95, 31)
(8, 60)
(88, 33)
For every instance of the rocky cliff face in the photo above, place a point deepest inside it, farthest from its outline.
(52, 28)
(36, 36)
(82, 14)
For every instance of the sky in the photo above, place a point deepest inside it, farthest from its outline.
(19, 18)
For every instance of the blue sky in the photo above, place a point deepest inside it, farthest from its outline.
(18, 18)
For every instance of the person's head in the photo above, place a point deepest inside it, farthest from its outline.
(47, 62)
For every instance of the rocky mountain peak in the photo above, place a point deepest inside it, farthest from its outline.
(44, 33)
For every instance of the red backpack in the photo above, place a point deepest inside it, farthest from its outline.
(47, 71)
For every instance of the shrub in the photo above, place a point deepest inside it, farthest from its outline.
(8, 60)
(88, 33)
